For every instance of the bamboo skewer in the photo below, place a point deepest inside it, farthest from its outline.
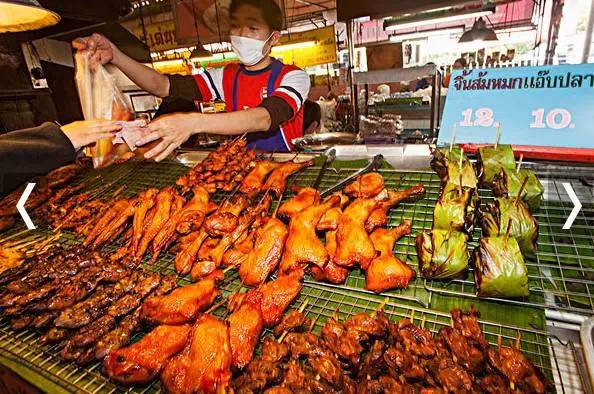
(520, 163)
(497, 135)
(2, 240)
(300, 310)
(509, 223)
(380, 307)
(453, 136)
(522, 187)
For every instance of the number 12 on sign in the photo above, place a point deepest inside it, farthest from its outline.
(482, 117)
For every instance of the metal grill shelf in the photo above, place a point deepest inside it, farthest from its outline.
(561, 276)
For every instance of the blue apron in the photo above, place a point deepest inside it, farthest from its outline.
(272, 141)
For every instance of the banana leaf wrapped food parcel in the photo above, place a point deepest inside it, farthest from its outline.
(442, 254)
(491, 160)
(500, 270)
(522, 225)
(446, 163)
(456, 208)
(510, 183)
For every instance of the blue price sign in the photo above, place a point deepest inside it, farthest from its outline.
(544, 106)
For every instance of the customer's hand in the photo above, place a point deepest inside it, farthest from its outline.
(173, 130)
(101, 49)
(85, 132)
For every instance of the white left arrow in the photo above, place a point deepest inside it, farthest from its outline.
(21, 206)
(577, 205)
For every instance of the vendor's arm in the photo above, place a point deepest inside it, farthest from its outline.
(104, 51)
(281, 106)
(38, 150)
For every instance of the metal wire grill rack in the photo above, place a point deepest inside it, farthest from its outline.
(323, 303)
(561, 276)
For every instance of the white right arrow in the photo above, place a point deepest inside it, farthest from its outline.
(577, 205)
(21, 206)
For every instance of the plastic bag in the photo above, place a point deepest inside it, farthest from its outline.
(101, 99)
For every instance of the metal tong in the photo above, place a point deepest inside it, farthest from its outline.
(374, 164)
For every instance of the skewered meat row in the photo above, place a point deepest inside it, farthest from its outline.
(370, 354)
(222, 169)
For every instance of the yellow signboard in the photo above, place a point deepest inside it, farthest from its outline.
(308, 48)
(159, 36)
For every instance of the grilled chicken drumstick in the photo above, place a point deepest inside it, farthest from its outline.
(141, 362)
(386, 271)
(305, 197)
(379, 216)
(365, 186)
(277, 181)
(303, 246)
(354, 245)
(253, 183)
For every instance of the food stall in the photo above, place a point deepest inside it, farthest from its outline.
(365, 268)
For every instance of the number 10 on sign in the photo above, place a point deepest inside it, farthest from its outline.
(556, 119)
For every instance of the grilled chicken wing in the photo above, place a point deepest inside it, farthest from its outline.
(225, 219)
(142, 361)
(147, 201)
(354, 245)
(379, 216)
(304, 198)
(164, 202)
(253, 183)
(245, 327)
(245, 221)
(366, 186)
(303, 245)
(181, 305)
(277, 181)
(189, 218)
(277, 295)
(185, 258)
(263, 259)
(204, 365)
(238, 254)
(386, 271)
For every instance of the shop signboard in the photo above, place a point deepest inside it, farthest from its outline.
(549, 106)
(321, 48)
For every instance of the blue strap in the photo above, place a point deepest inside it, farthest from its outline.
(234, 93)
(277, 67)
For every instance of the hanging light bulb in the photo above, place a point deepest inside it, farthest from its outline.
(200, 53)
(478, 32)
(23, 15)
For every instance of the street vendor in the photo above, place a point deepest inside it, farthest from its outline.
(263, 96)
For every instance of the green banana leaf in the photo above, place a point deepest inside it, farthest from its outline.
(446, 163)
(500, 270)
(523, 226)
(442, 254)
(507, 183)
(491, 160)
(456, 208)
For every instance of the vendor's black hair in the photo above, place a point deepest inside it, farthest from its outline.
(270, 10)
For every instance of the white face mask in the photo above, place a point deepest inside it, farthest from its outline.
(249, 51)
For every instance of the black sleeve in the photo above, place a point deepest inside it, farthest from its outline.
(280, 111)
(183, 86)
(29, 152)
